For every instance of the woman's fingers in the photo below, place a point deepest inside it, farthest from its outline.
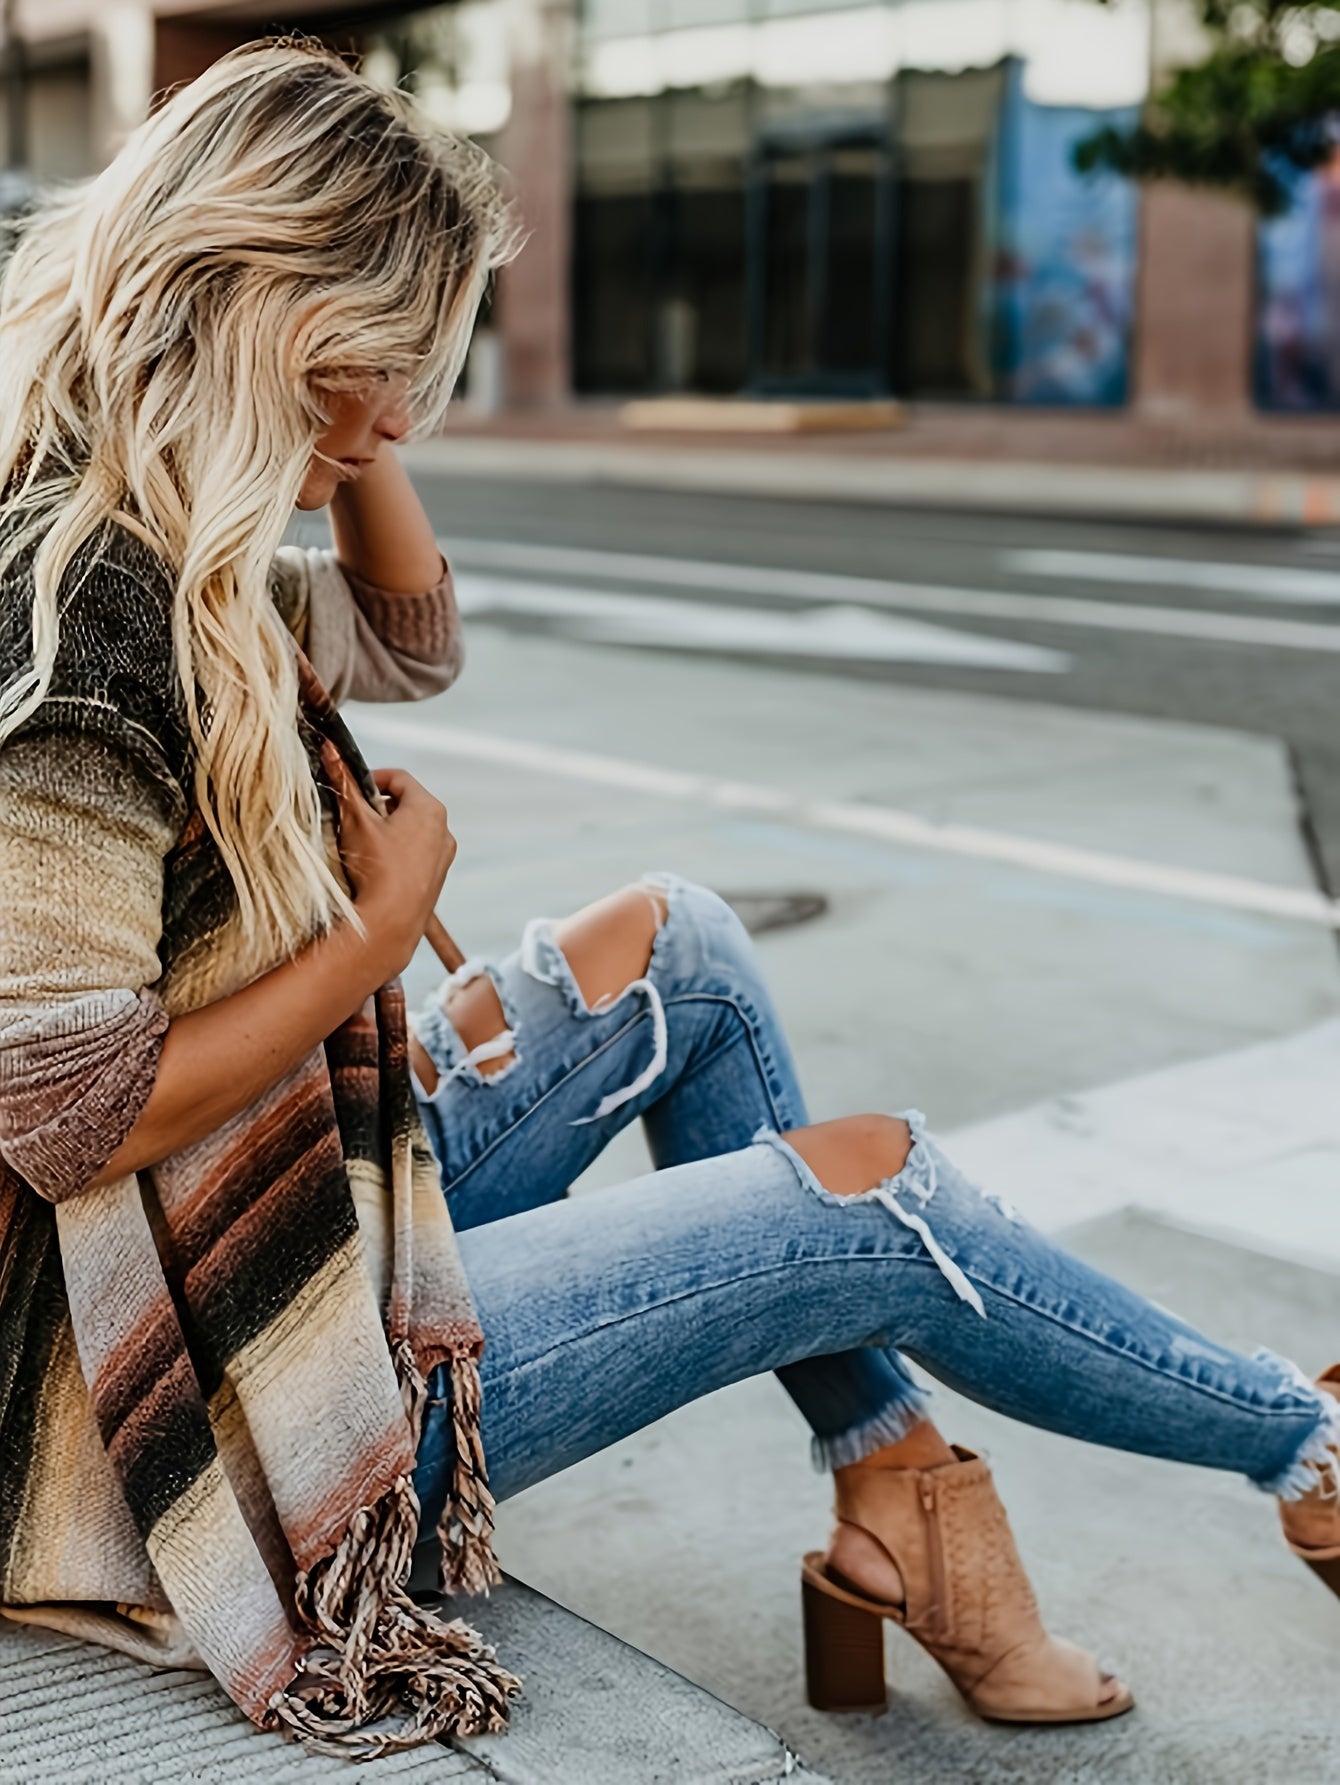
(394, 784)
(398, 789)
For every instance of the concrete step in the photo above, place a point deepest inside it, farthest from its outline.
(1243, 1146)
(594, 1712)
(597, 1712)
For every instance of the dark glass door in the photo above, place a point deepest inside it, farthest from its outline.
(820, 246)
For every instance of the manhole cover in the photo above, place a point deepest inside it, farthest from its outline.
(775, 910)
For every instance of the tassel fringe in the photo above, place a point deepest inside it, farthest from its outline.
(466, 1526)
(451, 1680)
(376, 1651)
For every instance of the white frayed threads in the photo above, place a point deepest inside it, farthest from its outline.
(1001, 1204)
(543, 959)
(962, 1288)
(497, 1047)
(888, 1426)
(1316, 1468)
(918, 1177)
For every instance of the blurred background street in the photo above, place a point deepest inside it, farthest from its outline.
(868, 500)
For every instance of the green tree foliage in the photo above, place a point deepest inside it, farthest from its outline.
(1265, 98)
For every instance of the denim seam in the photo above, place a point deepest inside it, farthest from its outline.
(1154, 1369)
(925, 1264)
(748, 1019)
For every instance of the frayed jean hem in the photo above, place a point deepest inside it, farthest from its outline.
(1316, 1457)
(891, 1424)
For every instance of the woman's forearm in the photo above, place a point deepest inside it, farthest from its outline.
(382, 531)
(217, 1061)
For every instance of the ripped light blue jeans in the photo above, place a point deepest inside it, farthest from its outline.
(604, 1312)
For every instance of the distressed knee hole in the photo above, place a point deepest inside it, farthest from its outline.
(608, 945)
(855, 1153)
(475, 1012)
(598, 958)
(477, 1015)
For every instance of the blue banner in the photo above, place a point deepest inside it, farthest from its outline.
(1064, 257)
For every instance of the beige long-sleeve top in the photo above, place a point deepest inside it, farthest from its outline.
(363, 642)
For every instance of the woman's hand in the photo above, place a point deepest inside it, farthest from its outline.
(396, 860)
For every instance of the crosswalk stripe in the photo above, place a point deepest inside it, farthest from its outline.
(838, 633)
(942, 600)
(1262, 582)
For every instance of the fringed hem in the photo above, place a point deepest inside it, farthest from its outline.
(449, 1678)
(888, 1426)
(376, 1653)
(466, 1525)
(1317, 1461)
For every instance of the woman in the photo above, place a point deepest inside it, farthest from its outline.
(241, 1344)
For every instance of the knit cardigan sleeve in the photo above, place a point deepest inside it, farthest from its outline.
(90, 804)
(364, 642)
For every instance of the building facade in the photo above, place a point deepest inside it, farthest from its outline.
(788, 196)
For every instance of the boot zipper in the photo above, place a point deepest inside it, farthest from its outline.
(936, 1555)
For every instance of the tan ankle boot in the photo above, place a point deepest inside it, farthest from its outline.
(1312, 1524)
(967, 1601)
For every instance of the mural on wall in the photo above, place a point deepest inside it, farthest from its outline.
(1298, 306)
(1064, 249)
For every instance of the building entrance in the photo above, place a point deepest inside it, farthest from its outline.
(819, 226)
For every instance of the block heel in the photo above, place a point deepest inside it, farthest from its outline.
(1327, 1571)
(844, 1650)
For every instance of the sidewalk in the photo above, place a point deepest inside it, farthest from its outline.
(1272, 471)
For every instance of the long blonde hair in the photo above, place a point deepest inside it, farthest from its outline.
(278, 229)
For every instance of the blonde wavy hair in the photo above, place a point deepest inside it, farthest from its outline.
(170, 330)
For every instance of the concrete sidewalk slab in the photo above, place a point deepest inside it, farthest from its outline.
(1245, 1146)
(597, 1712)
(73, 1714)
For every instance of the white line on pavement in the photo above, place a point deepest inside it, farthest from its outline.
(837, 632)
(815, 585)
(885, 824)
(1264, 582)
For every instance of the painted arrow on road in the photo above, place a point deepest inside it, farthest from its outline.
(835, 631)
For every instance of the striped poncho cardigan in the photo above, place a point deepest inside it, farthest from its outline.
(212, 1375)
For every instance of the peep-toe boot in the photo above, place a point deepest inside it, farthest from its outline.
(966, 1599)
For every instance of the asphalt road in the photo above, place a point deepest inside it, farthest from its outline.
(1236, 628)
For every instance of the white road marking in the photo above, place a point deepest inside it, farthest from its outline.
(839, 632)
(885, 824)
(1263, 582)
(814, 585)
